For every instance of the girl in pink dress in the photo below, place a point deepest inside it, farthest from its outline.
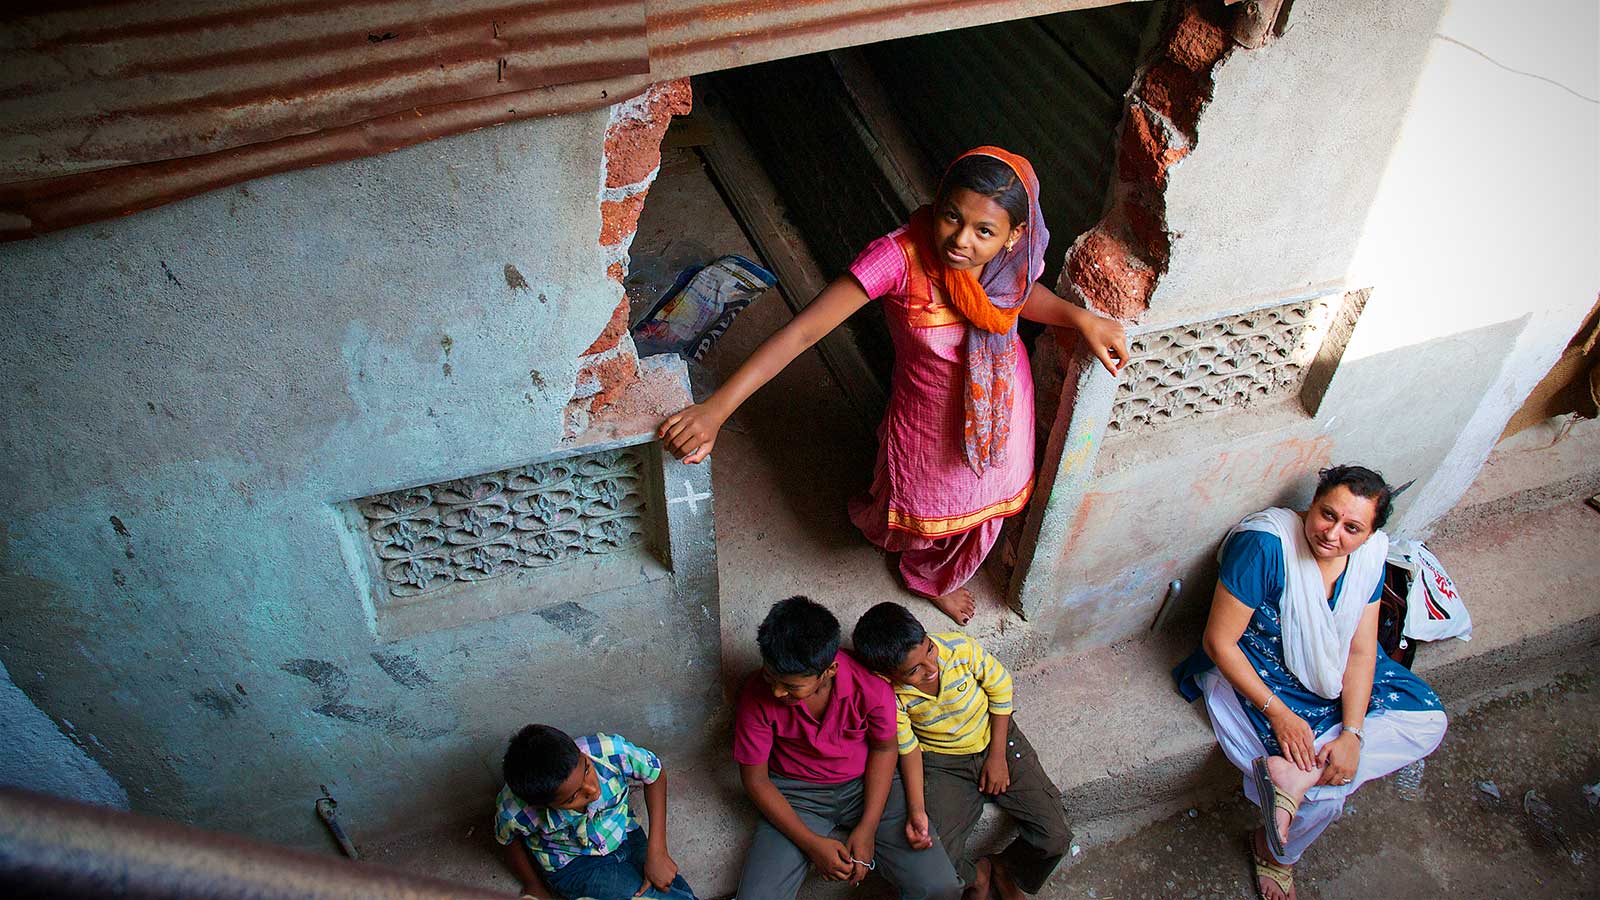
(955, 449)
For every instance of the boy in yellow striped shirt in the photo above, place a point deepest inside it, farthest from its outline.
(959, 747)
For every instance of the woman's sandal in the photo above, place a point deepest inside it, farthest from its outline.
(1266, 867)
(1280, 800)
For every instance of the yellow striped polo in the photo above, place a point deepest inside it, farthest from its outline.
(973, 685)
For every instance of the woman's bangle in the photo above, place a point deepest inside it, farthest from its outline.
(1267, 705)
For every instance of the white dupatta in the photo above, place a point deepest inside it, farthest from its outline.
(1316, 639)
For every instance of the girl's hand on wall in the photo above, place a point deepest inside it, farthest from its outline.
(1109, 341)
(691, 433)
(1294, 738)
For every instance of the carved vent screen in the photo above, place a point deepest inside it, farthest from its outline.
(486, 526)
(1220, 364)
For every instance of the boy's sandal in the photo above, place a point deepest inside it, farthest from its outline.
(1280, 800)
(1266, 867)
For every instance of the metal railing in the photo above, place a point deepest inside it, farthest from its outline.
(58, 848)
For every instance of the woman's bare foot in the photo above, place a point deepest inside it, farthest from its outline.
(1005, 884)
(1295, 782)
(1268, 887)
(958, 605)
(979, 888)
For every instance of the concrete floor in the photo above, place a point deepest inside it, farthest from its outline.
(1114, 735)
(1456, 841)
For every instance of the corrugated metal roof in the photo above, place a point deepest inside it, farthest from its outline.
(111, 107)
(692, 37)
(83, 89)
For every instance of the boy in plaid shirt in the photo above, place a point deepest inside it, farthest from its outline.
(567, 800)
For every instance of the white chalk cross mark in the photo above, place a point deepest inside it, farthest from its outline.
(689, 497)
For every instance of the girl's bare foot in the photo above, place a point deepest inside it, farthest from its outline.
(1269, 887)
(958, 605)
(1295, 782)
(1005, 884)
(979, 888)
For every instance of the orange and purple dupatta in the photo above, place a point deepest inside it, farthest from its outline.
(991, 303)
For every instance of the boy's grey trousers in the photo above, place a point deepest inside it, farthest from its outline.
(775, 866)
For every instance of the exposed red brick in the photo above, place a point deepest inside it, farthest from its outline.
(1109, 274)
(1144, 155)
(1147, 231)
(1196, 42)
(633, 145)
(675, 97)
(616, 272)
(614, 330)
(633, 150)
(619, 218)
(614, 375)
(1175, 92)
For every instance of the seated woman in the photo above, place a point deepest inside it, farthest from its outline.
(1302, 699)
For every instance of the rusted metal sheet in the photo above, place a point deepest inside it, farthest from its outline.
(1256, 21)
(690, 37)
(113, 107)
(89, 88)
(30, 208)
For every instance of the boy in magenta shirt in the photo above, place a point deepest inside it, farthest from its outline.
(814, 737)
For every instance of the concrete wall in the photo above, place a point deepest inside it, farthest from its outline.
(193, 391)
(1478, 241)
(42, 756)
(1490, 208)
(1272, 199)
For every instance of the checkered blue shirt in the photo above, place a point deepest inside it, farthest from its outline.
(556, 837)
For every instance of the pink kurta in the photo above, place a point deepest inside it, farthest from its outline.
(925, 501)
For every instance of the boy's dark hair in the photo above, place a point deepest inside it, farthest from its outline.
(539, 759)
(1363, 482)
(798, 637)
(992, 178)
(885, 634)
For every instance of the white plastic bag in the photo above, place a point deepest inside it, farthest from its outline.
(1434, 610)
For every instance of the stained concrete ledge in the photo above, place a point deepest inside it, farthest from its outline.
(1123, 745)
(1540, 467)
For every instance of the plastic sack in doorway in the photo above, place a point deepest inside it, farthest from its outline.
(1434, 610)
(700, 307)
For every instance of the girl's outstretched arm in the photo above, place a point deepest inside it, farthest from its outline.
(1105, 335)
(691, 433)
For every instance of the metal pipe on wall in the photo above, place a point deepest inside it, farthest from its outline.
(58, 848)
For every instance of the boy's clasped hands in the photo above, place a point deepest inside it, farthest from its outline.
(847, 861)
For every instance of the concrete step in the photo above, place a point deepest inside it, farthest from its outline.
(1123, 746)
(1546, 465)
